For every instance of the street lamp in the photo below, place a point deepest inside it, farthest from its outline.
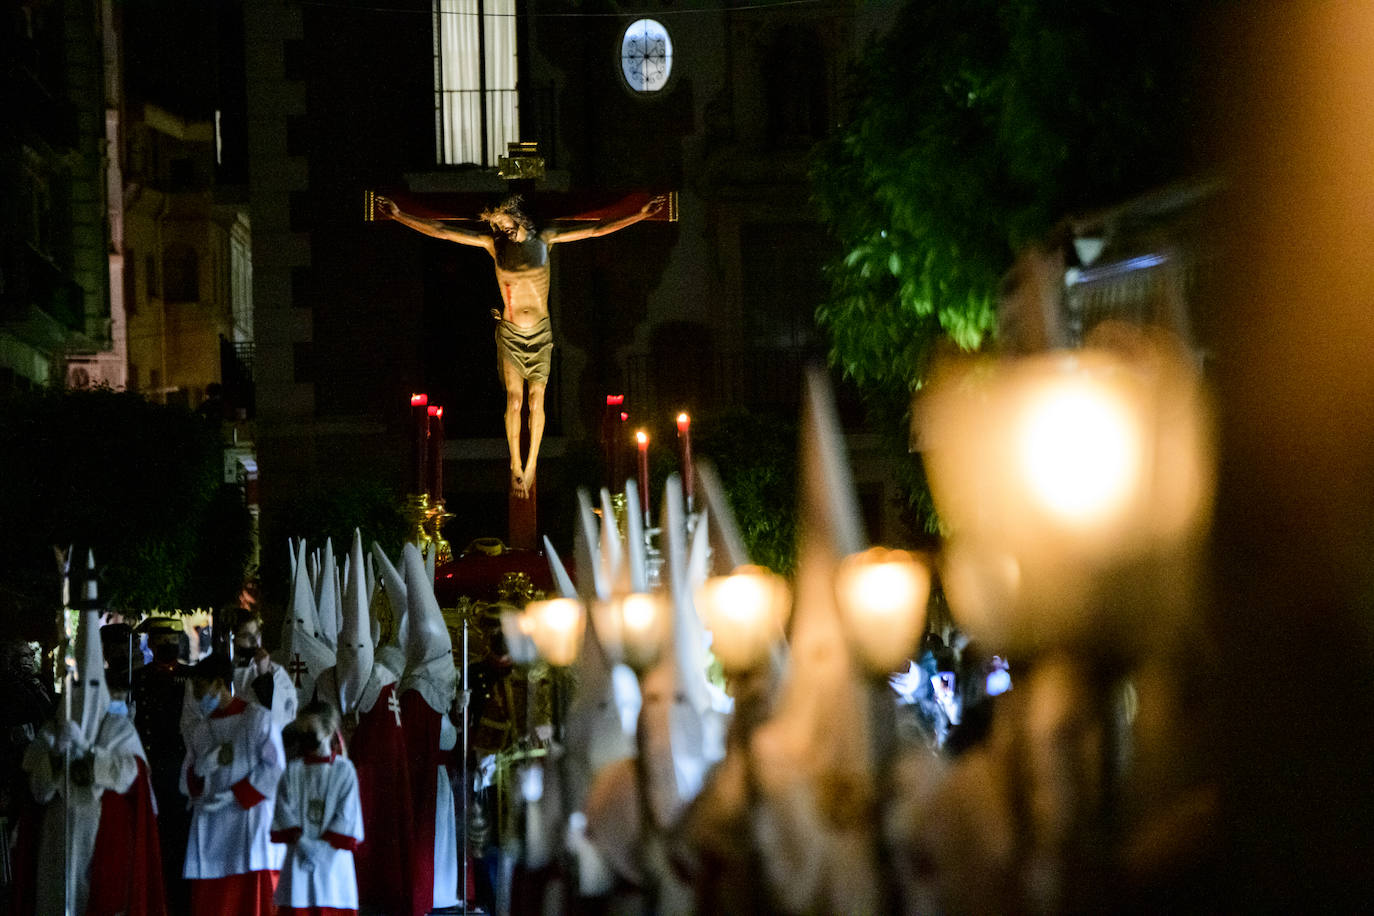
(882, 598)
(745, 612)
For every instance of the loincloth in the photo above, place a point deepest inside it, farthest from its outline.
(529, 350)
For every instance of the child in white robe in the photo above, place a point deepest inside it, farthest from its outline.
(320, 819)
(234, 758)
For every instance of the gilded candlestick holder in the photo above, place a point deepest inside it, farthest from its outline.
(418, 513)
(436, 516)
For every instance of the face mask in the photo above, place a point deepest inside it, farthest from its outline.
(209, 703)
(118, 708)
(243, 656)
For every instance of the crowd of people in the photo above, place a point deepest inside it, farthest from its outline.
(185, 772)
(315, 779)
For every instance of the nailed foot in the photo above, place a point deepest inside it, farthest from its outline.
(518, 486)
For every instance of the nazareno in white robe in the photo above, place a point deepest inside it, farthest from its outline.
(114, 759)
(284, 698)
(447, 892)
(319, 797)
(237, 752)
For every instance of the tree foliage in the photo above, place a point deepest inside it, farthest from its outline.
(138, 483)
(331, 512)
(976, 126)
(755, 455)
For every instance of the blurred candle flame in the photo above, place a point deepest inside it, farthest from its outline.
(745, 612)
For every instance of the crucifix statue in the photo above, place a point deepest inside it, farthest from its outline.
(524, 339)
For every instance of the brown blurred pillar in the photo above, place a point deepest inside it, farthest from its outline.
(1295, 525)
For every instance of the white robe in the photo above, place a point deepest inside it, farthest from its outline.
(327, 689)
(284, 699)
(446, 870)
(319, 798)
(115, 757)
(225, 839)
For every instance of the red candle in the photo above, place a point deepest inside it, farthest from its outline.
(620, 441)
(642, 438)
(684, 441)
(436, 453)
(419, 419)
(610, 441)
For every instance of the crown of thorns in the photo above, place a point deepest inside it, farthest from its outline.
(508, 207)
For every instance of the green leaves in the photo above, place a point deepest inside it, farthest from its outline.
(137, 482)
(976, 126)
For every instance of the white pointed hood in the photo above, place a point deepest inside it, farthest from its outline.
(561, 580)
(302, 653)
(731, 544)
(298, 571)
(612, 546)
(699, 554)
(428, 645)
(355, 639)
(819, 737)
(688, 635)
(591, 574)
(728, 551)
(91, 697)
(328, 607)
(390, 600)
(636, 551)
(681, 735)
(595, 735)
(371, 580)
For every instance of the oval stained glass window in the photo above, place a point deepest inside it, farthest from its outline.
(646, 55)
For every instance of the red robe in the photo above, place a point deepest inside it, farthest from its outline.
(421, 725)
(378, 752)
(126, 862)
(126, 866)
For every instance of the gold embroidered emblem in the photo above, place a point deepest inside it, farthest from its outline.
(315, 811)
(226, 753)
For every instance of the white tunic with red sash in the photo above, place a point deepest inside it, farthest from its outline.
(234, 760)
(319, 818)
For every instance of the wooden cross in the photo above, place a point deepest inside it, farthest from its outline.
(297, 667)
(573, 208)
(394, 705)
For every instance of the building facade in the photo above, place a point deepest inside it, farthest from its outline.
(419, 97)
(188, 266)
(55, 245)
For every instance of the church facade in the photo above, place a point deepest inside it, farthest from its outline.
(419, 98)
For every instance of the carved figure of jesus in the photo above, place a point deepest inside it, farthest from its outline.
(524, 339)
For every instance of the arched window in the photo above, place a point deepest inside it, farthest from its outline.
(180, 273)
